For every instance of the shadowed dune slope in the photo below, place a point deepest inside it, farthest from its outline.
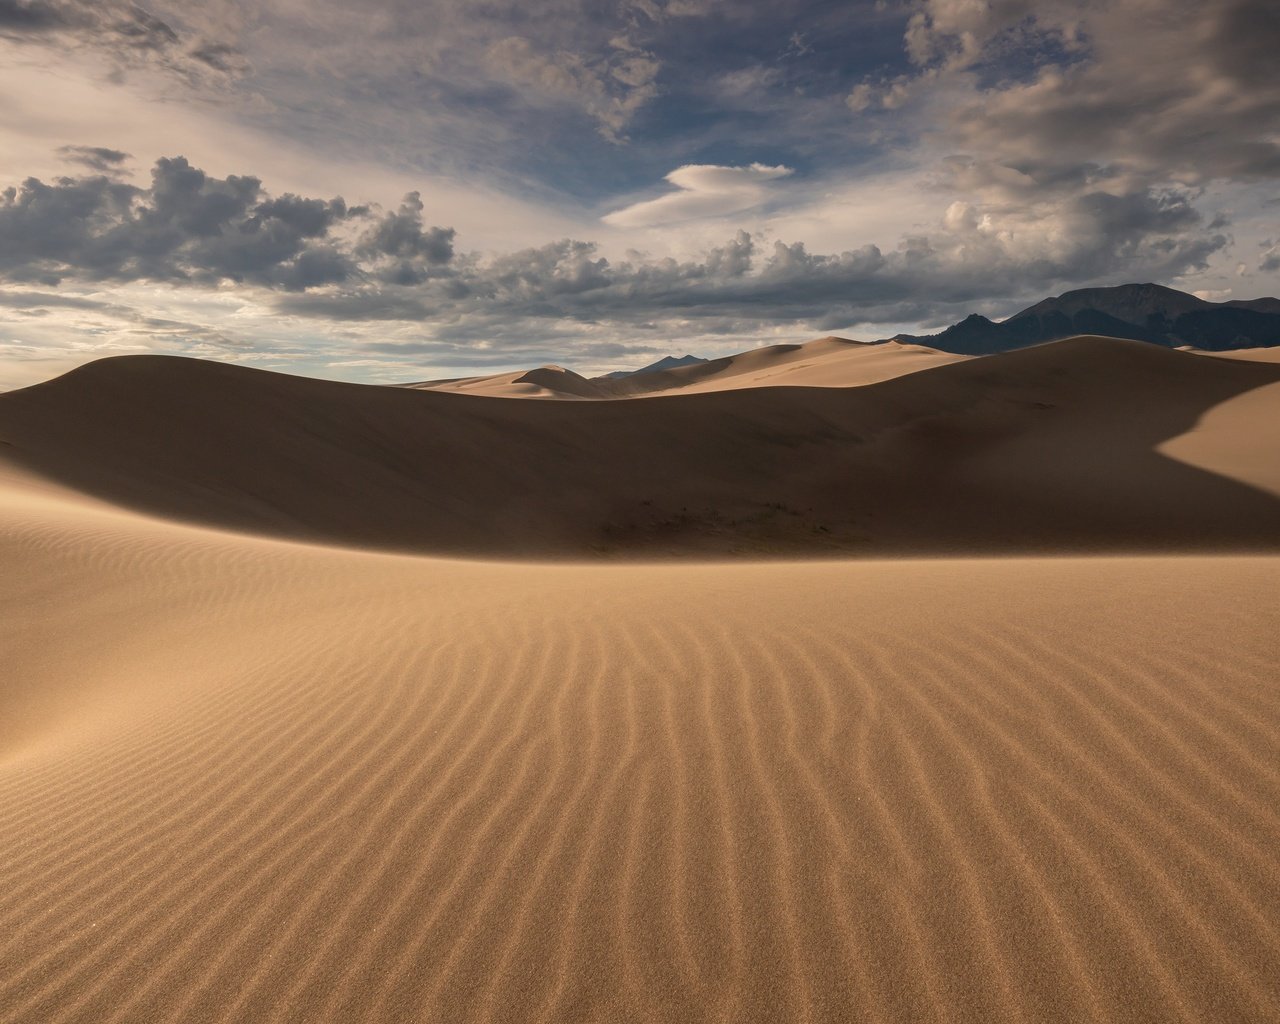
(1051, 448)
(246, 780)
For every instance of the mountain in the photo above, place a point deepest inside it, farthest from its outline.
(1138, 312)
(665, 363)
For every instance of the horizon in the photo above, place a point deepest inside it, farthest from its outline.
(426, 193)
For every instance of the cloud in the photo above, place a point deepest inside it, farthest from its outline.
(28, 16)
(860, 97)
(747, 283)
(96, 158)
(128, 34)
(327, 260)
(187, 227)
(705, 190)
(410, 250)
(610, 88)
(1162, 90)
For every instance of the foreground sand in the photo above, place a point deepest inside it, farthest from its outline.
(244, 779)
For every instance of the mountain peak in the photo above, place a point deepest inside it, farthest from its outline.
(1132, 303)
(665, 363)
(1140, 312)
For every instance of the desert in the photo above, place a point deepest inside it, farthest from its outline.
(639, 512)
(283, 740)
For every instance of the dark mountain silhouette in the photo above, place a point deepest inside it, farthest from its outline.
(1139, 312)
(665, 363)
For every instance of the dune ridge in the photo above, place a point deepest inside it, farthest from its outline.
(1051, 448)
(245, 779)
(829, 362)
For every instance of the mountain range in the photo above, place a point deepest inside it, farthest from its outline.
(1139, 312)
(665, 363)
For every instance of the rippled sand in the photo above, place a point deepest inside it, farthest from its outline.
(244, 779)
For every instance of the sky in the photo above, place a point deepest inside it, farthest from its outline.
(400, 190)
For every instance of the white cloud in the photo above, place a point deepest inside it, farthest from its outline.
(705, 191)
(860, 98)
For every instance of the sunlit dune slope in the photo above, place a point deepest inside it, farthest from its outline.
(554, 382)
(1252, 355)
(247, 780)
(823, 363)
(1051, 448)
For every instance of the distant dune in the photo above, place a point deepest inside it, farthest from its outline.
(824, 363)
(542, 382)
(1049, 448)
(1252, 355)
(249, 780)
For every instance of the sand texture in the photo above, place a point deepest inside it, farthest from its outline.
(247, 780)
(1050, 448)
(249, 777)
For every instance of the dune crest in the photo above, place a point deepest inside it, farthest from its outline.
(829, 362)
(1040, 449)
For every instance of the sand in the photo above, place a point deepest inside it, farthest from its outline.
(1238, 439)
(250, 778)
(553, 382)
(1050, 448)
(242, 779)
(823, 363)
(1251, 355)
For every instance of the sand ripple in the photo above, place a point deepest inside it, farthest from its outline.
(248, 780)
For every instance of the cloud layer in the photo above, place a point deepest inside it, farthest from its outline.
(697, 170)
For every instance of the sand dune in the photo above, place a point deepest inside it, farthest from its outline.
(823, 363)
(1239, 439)
(1051, 448)
(553, 382)
(1251, 355)
(245, 779)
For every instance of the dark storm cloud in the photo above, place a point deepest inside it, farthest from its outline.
(404, 247)
(28, 16)
(187, 227)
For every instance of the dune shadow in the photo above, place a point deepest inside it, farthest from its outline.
(1050, 449)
